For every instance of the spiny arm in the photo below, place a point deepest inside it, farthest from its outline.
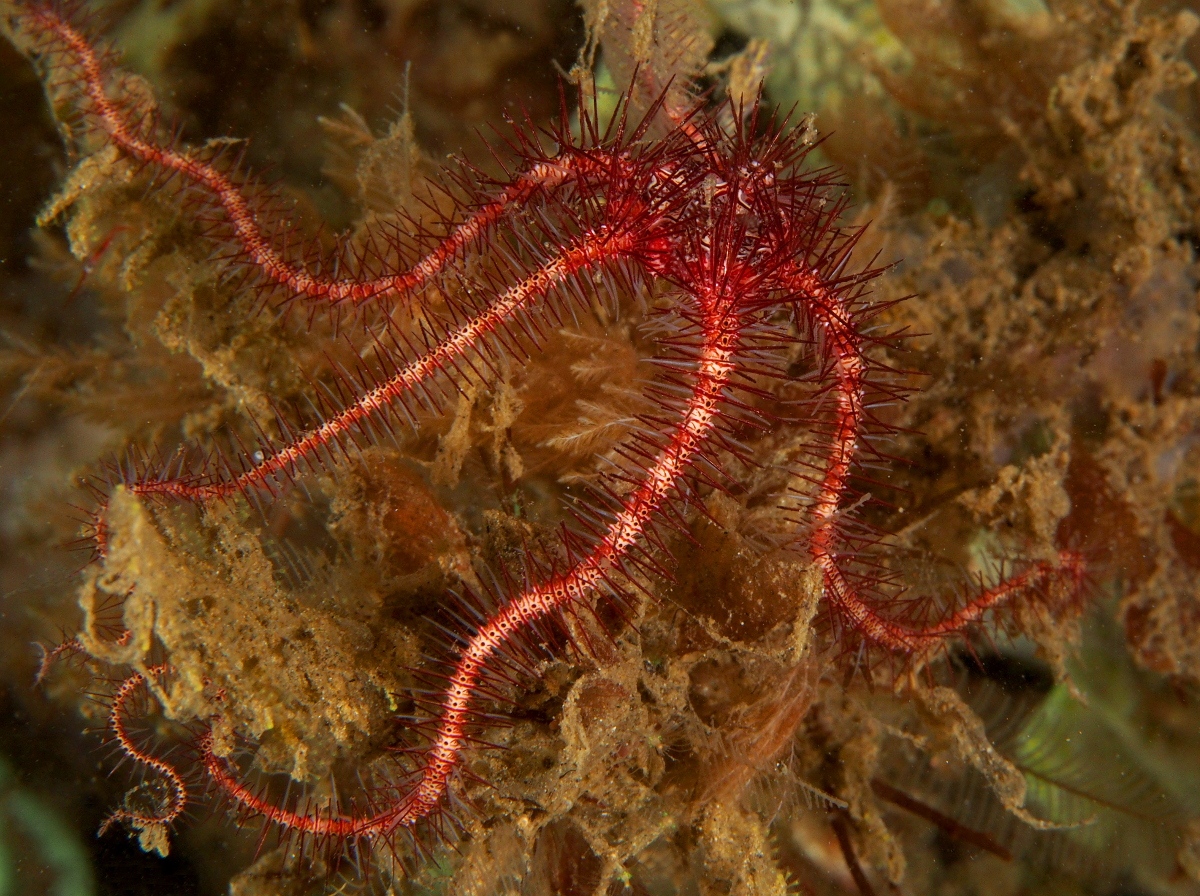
(130, 133)
(722, 329)
(830, 314)
(119, 713)
(586, 252)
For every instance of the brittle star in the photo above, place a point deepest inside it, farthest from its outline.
(751, 249)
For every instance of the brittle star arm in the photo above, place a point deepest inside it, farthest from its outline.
(126, 134)
(587, 251)
(176, 796)
(830, 314)
(722, 329)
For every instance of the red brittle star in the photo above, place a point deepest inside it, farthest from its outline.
(751, 251)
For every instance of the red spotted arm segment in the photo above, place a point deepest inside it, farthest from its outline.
(118, 714)
(722, 328)
(589, 250)
(830, 314)
(239, 210)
